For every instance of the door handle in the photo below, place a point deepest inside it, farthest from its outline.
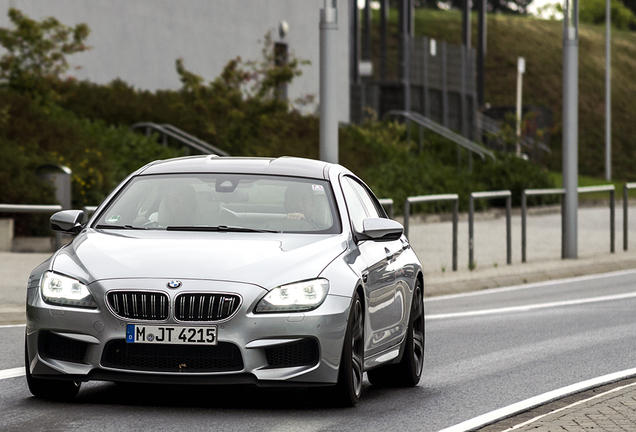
(389, 254)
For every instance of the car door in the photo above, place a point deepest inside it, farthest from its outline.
(386, 294)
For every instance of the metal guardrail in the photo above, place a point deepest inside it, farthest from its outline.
(626, 189)
(387, 203)
(612, 205)
(524, 217)
(471, 223)
(458, 139)
(34, 208)
(434, 198)
(167, 130)
(580, 190)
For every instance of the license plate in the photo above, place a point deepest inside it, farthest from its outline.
(171, 335)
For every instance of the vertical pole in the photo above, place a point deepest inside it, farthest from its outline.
(625, 211)
(328, 78)
(384, 16)
(354, 40)
(471, 232)
(570, 126)
(406, 48)
(524, 209)
(407, 215)
(481, 52)
(563, 226)
(612, 220)
(466, 23)
(366, 35)
(608, 92)
(427, 98)
(521, 68)
(509, 229)
(455, 221)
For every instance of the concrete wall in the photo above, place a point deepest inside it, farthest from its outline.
(139, 40)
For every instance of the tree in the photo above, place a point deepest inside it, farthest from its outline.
(36, 52)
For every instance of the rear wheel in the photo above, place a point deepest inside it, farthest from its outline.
(408, 372)
(49, 389)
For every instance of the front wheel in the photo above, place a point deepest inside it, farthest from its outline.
(57, 390)
(346, 392)
(408, 372)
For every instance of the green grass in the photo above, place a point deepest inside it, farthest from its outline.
(540, 43)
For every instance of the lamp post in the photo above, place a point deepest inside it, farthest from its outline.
(328, 79)
(570, 126)
(608, 90)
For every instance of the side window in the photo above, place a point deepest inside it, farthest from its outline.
(357, 213)
(370, 207)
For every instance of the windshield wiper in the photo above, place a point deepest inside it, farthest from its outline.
(221, 228)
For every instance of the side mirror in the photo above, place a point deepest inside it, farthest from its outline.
(68, 221)
(380, 229)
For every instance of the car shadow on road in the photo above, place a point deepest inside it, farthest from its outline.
(235, 397)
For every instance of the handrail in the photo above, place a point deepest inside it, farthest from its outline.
(183, 137)
(490, 125)
(444, 131)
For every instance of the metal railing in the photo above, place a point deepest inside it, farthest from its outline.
(612, 205)
(34, 208)
(471, 223)
(458, 139)
(626, 189)
(387, 203)
(434, 198)
(524, 212)
(491, 126)
(169, 131)
(580, 190)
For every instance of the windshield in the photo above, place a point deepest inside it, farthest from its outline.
(223, 202)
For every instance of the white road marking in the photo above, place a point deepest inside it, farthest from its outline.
(533, 402)
(12, 373)
(533, 285)
(12, 325)
(529, 307)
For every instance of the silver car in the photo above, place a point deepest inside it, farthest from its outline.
(209, 270)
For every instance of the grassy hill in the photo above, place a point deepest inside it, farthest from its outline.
(540, 43)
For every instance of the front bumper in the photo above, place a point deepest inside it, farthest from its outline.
(77, 344)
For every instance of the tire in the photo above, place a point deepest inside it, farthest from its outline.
(408, 371)
(57, 390)
(346, 392)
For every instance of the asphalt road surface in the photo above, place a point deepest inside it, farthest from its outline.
(484, 351)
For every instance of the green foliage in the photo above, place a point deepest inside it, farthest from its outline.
(378, 152)
(36, 52)
(593, 12)
(33, 134)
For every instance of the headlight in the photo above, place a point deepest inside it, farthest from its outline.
(64, 291)
(297, 297)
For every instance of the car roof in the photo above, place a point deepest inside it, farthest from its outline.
(291, 166)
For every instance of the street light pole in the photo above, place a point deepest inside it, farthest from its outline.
(570, 126)
(608, 92)
(328, 80)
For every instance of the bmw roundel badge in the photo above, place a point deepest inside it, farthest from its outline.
(174, 284)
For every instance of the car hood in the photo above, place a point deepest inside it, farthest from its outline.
(267, 260)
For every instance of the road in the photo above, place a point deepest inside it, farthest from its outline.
(484, 351)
